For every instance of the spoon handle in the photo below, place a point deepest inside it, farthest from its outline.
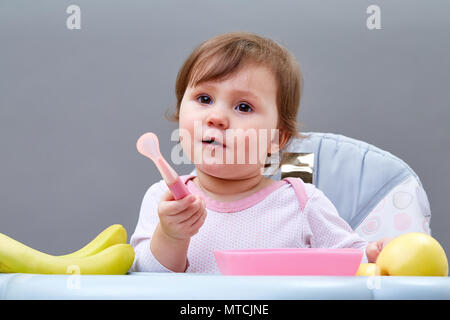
(179, 189)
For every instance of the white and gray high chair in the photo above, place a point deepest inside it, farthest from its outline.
(377, 193)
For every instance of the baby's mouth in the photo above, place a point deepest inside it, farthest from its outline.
(213, 142)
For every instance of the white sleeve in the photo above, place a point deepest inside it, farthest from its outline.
(144, 261)
(324, 228)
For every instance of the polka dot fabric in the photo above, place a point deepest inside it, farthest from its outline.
(274, 220)
(405, 209)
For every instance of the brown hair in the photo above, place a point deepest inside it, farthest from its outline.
(223, 55)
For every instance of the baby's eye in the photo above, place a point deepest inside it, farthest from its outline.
(244, 107)
(204, 99)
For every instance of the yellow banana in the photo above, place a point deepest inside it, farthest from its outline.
(16, 257)
(114, 234)
(367, 269)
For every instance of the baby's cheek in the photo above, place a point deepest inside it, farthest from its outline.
(186, 136)
(255, 149)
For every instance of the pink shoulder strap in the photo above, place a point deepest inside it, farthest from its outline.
(297, 184)
(185, 178)
(299, 188)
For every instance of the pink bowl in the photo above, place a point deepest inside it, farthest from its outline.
(290, 261)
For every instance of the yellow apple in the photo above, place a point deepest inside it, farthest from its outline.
(366, 269)
(413, 254)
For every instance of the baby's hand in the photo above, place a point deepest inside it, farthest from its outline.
(374, 249)
(181, 219)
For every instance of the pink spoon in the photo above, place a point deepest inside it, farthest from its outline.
(148, 145)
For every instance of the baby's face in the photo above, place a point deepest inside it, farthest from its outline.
(240, 113)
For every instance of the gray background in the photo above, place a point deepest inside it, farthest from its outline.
(74, 102)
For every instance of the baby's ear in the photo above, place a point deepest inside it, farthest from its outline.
(283, 138)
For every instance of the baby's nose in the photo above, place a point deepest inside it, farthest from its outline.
(217, 119)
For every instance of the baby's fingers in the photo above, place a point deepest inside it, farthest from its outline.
(199, 217)
(172, 207)
(167, 196)
(372, 252)
(192, 209)
(200, 214)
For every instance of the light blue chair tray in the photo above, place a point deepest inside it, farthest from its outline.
(178, 286)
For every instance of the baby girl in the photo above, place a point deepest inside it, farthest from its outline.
(244, 87)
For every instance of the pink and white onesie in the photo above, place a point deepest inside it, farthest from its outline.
(286, 214)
